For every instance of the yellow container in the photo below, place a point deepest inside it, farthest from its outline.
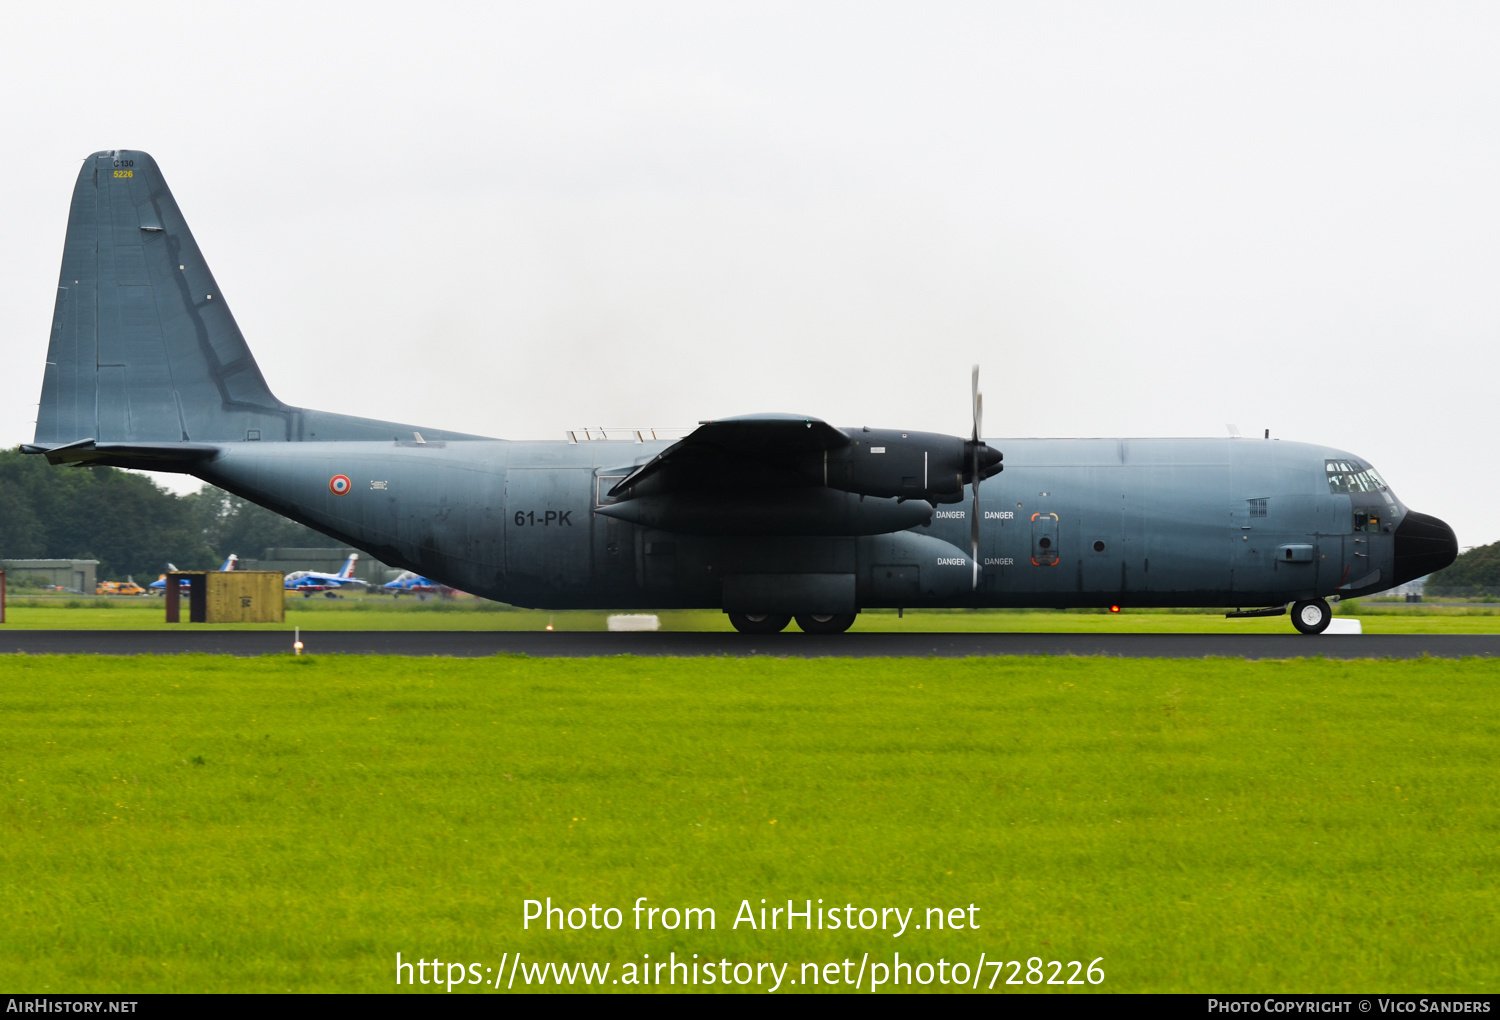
(227, 596)
(246, 596)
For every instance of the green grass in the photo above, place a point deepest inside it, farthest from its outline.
(377, 613)
(200, 823)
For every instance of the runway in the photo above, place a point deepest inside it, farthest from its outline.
(577, 645)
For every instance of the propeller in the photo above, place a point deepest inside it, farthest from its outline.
(980, 466)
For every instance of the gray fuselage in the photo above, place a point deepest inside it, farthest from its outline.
(1071, 522)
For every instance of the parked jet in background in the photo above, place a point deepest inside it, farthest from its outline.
(309, 581)
(766, 516)
(410, 583)
(159, 586)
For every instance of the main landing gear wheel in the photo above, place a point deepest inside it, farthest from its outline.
(1312, 616)
(825, 623)
(759, 623)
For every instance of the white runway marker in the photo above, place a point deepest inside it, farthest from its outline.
(634, 621)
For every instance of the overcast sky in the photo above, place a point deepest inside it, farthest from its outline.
(514, 219)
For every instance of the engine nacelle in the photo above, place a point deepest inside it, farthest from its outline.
(905, 465)
(813, 510)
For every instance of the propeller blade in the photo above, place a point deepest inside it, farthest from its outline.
(974, 529)
(974, 388)
(974, 474)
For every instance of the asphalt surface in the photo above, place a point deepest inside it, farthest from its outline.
(572, 644)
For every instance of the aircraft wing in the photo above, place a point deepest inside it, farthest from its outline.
(753, 450)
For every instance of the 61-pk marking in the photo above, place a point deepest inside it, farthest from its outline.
(529, 518)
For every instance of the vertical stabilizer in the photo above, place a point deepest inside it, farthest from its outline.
(143, 345)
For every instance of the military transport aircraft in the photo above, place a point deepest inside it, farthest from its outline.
(764, 516)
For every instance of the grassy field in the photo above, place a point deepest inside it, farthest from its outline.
(377, 613)
(202, 823)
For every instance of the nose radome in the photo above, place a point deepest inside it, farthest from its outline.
(1423, 544)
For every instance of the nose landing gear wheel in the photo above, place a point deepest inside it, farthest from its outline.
(1312, 616)
(759, 623)
(825, 623)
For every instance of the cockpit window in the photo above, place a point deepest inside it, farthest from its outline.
(1352, 476)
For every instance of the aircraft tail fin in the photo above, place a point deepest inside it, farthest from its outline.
(348, 570)
(229, 563)
(143, 346)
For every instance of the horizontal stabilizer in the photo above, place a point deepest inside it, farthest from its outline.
(182, 457)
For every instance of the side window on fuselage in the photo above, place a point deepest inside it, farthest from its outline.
(1367, 519)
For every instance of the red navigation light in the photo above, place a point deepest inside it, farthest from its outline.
(1114, 609)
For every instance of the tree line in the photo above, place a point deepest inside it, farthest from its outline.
(1476, 572)
(127, 522)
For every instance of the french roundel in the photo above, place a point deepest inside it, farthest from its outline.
(339, 485)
